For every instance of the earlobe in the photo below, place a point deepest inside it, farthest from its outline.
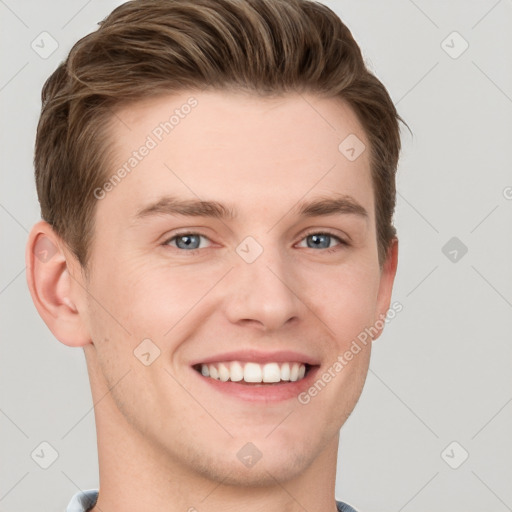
(50, 286)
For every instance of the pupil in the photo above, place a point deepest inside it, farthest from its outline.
(317, 240)
(188, 240)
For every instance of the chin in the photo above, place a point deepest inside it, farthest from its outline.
(268, 464)
(264, 473)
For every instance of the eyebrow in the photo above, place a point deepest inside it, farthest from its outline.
(323, 206)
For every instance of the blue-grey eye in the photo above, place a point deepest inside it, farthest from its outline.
(187, 241)
(320, 240)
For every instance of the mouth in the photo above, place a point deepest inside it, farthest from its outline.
(256, 378)
(254, 374)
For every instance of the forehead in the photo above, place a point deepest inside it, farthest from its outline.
(237, 148)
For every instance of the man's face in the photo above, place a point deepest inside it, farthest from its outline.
(267, 285)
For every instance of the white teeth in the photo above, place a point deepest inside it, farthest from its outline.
(285, 371)
(223, 372)
(271, 372)
(294, 372)
(213, 372)
(254, 372)
(236, 371)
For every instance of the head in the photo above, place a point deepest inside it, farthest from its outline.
(229, 122)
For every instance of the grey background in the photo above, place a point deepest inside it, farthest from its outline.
(440, 373)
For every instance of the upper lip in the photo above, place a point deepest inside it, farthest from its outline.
(255, 356)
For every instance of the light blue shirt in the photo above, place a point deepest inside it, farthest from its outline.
(83, 501)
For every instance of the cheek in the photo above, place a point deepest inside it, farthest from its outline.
(145, 302)
(343, 297)
(162, 296)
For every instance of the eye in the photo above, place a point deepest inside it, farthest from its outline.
(322, 240)
(187, 241)
(191, 242)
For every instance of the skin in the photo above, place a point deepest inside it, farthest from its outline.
(167, 441)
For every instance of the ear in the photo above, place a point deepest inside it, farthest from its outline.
(387, 278)
(48, 277)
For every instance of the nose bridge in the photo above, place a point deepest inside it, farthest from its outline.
(261, 290)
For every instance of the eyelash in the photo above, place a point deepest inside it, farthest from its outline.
(193, 252)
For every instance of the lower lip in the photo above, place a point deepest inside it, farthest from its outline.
(264, 392)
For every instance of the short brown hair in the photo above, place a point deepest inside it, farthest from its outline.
(149, 47)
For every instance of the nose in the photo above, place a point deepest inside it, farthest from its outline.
(262, 293)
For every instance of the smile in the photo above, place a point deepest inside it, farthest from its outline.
(254, 373)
